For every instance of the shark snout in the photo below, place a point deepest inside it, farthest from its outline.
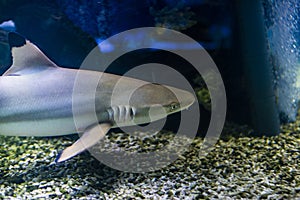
(166, 96)
(184, 98)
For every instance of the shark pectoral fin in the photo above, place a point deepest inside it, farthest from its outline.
(89, 138)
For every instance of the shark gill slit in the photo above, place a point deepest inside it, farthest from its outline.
(121, 113)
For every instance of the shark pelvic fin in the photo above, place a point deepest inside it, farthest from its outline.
(89, 138)
(28, 59)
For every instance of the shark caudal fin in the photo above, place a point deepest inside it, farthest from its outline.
(90, 137)
(28, 59)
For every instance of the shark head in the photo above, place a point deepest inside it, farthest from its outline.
(134, 102)
(153, 102)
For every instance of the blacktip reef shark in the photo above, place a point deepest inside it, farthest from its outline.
(36, 99)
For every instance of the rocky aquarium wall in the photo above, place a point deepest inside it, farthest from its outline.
(282, 28)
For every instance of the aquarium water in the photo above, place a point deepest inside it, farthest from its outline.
(282, 28)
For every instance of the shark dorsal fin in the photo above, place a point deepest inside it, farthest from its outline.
(28, 59)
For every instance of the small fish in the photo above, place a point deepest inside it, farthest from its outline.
(37, 99)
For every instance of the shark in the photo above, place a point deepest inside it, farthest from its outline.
(37, 99)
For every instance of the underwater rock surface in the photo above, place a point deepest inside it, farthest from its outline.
(282, 26)
(240, 166)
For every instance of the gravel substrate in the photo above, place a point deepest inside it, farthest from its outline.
(240, 166)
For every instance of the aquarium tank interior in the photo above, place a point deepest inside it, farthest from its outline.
(153, 99)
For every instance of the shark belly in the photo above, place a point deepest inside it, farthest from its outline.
(47, 127)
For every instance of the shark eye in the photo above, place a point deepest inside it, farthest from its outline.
(174, 106)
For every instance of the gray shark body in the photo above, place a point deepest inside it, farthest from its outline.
(37, 98)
